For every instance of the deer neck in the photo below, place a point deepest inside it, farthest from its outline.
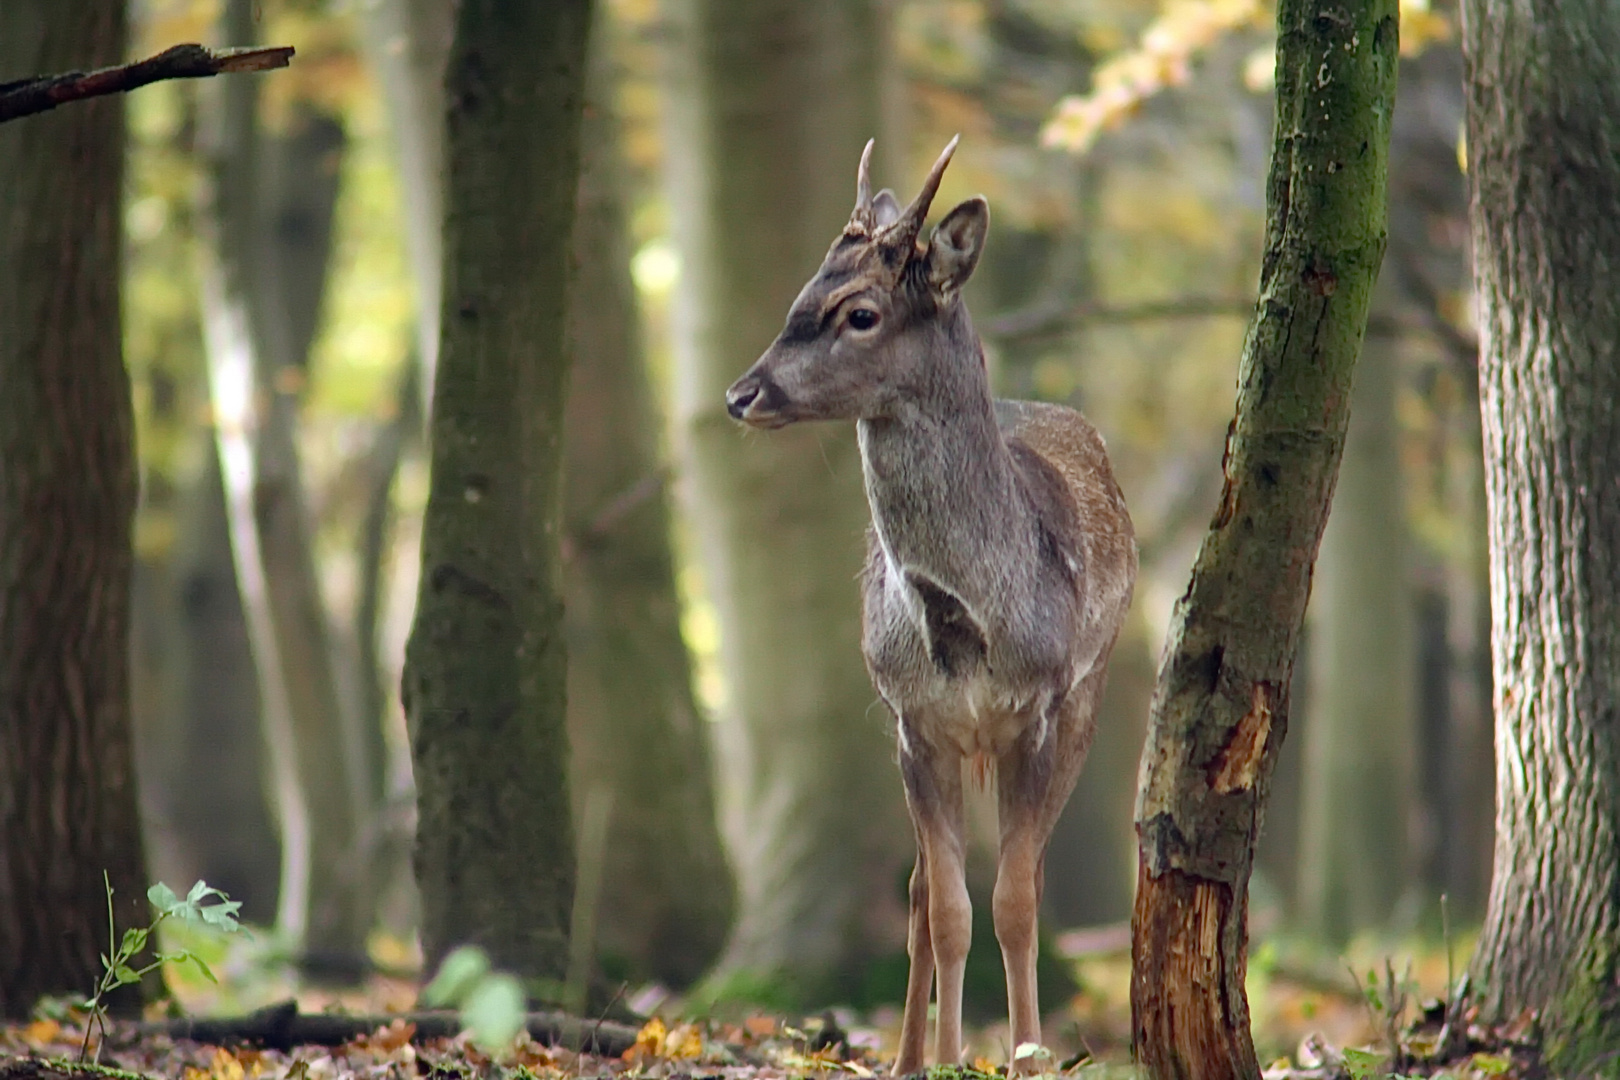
(941, 482)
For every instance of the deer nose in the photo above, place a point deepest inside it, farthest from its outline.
(743, 393)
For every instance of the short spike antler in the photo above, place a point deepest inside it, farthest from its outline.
(862, 215)
(903, 233)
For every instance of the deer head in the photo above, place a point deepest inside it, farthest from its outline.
(864, 335)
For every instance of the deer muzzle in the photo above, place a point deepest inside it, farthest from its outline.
(757, 401)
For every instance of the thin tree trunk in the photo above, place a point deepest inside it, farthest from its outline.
(769, 103)
(1221, 709)
(293, 200)
(1467, 764)
(485, 667)
(218, 802)
(67, 502)
(1361, 744)
(407, 44)
(636, 731)
(271, 232)
(1543, 88)
(269, 243)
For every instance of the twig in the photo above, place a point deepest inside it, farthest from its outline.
(600, 1020)
(25, 97)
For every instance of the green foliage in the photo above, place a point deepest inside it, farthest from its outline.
(1363, 1064)
(119, 963)
(491, 1003)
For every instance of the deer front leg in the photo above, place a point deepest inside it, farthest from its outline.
(920, 980)
(941, 912)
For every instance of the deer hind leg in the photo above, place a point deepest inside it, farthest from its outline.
(941, 915)
(1033, 784)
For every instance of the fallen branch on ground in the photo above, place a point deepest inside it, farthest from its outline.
(282, 1026)
(25, 97)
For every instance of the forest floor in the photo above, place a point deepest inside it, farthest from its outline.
(1310, 1021)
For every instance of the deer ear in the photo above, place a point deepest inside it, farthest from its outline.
(953, 250)
(885, 209)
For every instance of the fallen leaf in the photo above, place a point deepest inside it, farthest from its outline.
(41, 1033)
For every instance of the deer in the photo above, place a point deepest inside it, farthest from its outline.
(1000, 564)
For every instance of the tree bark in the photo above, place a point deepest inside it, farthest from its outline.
(1221, 708)
(67, 502)
(1543, 87)
(484, 679)
(770, 102)
(636, 731)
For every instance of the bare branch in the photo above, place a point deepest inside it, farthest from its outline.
(36, 95)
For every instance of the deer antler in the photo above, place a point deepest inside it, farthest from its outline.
(903, 233)
(863, 216)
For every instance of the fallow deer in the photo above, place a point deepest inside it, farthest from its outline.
(1000, 565)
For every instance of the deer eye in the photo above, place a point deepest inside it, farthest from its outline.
(863, 318)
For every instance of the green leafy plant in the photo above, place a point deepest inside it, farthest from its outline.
(490, 1003)
(118, 963)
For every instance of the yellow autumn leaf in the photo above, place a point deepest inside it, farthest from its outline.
(41, 1033)
(686, 1041)
(649, 1040)
(225, 1066)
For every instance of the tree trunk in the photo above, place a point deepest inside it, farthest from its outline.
(407, 43)
(271, 237)
(219, 806)
(1360, 745)
(1543, 90)
(1221, 708)
(484, 678)
(770, 102)
(635, 729)
(67, 504)
(296, 193)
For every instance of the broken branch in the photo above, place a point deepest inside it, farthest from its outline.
(25, 97)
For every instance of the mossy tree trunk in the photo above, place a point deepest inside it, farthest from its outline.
(484, 677)
(67, 505)
(1221, 708)
(638, 737)
(770, 103)
(1543, 86)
